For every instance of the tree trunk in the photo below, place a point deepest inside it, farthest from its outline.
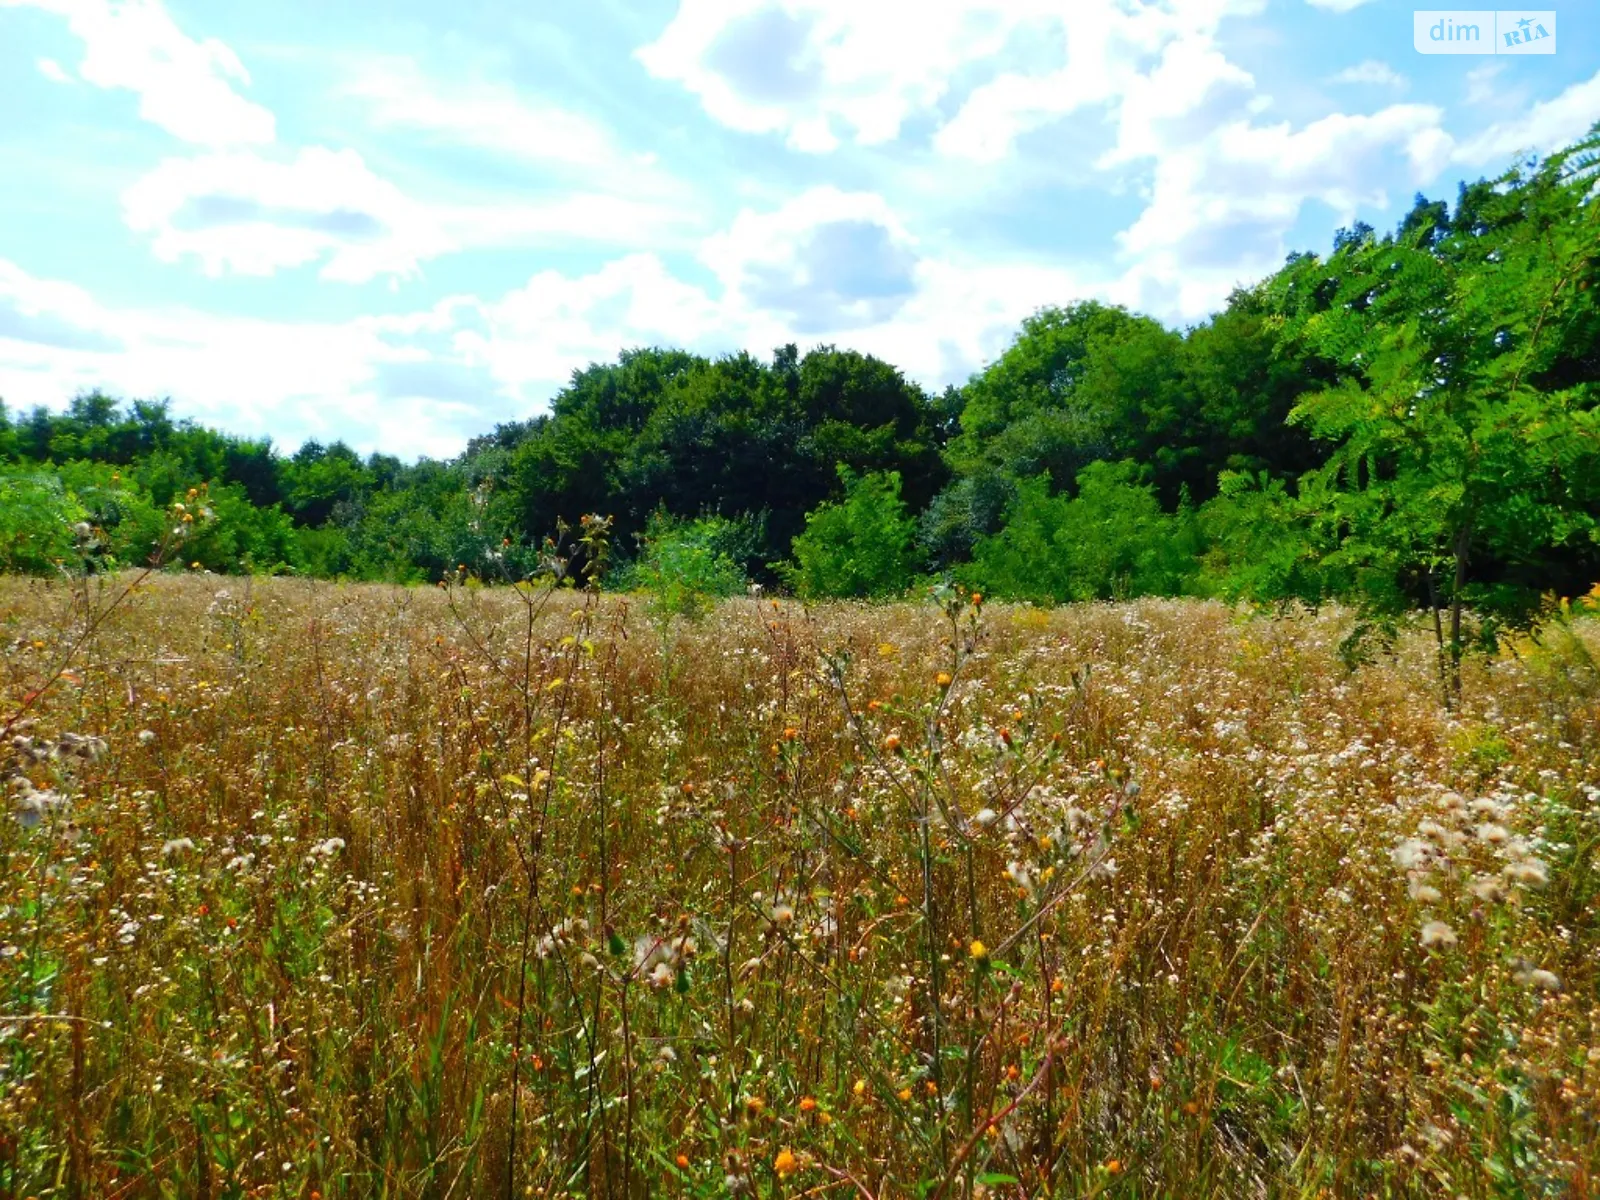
(1438, 633)
(1463, 545)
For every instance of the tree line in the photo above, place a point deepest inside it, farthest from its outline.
(1407, 421)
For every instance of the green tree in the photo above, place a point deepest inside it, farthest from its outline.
(1111, 541)
(684, 566)
(1464, 450)
(860, 547)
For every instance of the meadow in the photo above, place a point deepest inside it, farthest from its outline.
(316, 891)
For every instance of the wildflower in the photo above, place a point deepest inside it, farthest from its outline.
(176, 846)
(785, 1164)
(1493, 834)
(860, 1087)
(1487, 888)
(1437, 933)
(1530, 871)
(662, 976)
(986, 817)
(146, 736)
(1423, 893)
(807, 1104)
(1020, 875)
(1412, 853)
(1536, 977)
(942, 679)
(892, 743)
(978, 951)
(904, 1094)
(753, 1105)
(683, 1162)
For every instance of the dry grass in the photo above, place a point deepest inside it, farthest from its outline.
(392, 893)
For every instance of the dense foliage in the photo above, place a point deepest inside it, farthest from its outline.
(1409, 421)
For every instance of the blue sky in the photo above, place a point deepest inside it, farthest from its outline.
(400, 222)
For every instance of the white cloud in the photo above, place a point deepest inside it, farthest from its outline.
(292, 380)
(1338, 6)
(825, 71)
(1373, 71)
(247, 213)
(53, 71)
(187, 87)
(1480, 81)
(825, 260)
(1157, 62)
(498, 118)
(536, 335)
(244, 213)
(1222, 205)
(820, 71)
(1547, 126)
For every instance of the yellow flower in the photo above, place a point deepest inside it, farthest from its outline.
(978, 950)
(785, 1164)
(807, 1104)
(943, 679)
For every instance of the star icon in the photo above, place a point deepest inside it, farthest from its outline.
(1524, 23)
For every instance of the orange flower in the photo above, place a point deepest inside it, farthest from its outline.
(1114, 1166)
(892, 743)
(683, 1162)
(942, 679)
(785, 1164)
(807, 1104)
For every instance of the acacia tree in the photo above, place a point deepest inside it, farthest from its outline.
(1464, 444)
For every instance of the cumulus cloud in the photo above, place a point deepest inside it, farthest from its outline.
(1373, 71)
(1546, 126)
(253, 213)
(501, 120)
(821, 71)
(825, 71)
(1155, 62)
(826, 260)
(1221, 206)
(250, 214)
(290, 379)
(187, 87)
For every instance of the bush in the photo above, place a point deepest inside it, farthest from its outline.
(37, 516)
(1110, 542)
(860, 547)
(684, 566)
(1261, 547)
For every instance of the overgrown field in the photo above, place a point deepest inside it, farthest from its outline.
(354, 891)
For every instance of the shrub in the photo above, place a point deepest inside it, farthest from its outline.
(862, 546)
(37, 515)
(684, 566)
(1111, 541)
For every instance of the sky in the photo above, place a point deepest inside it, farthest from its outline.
(400, 222)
